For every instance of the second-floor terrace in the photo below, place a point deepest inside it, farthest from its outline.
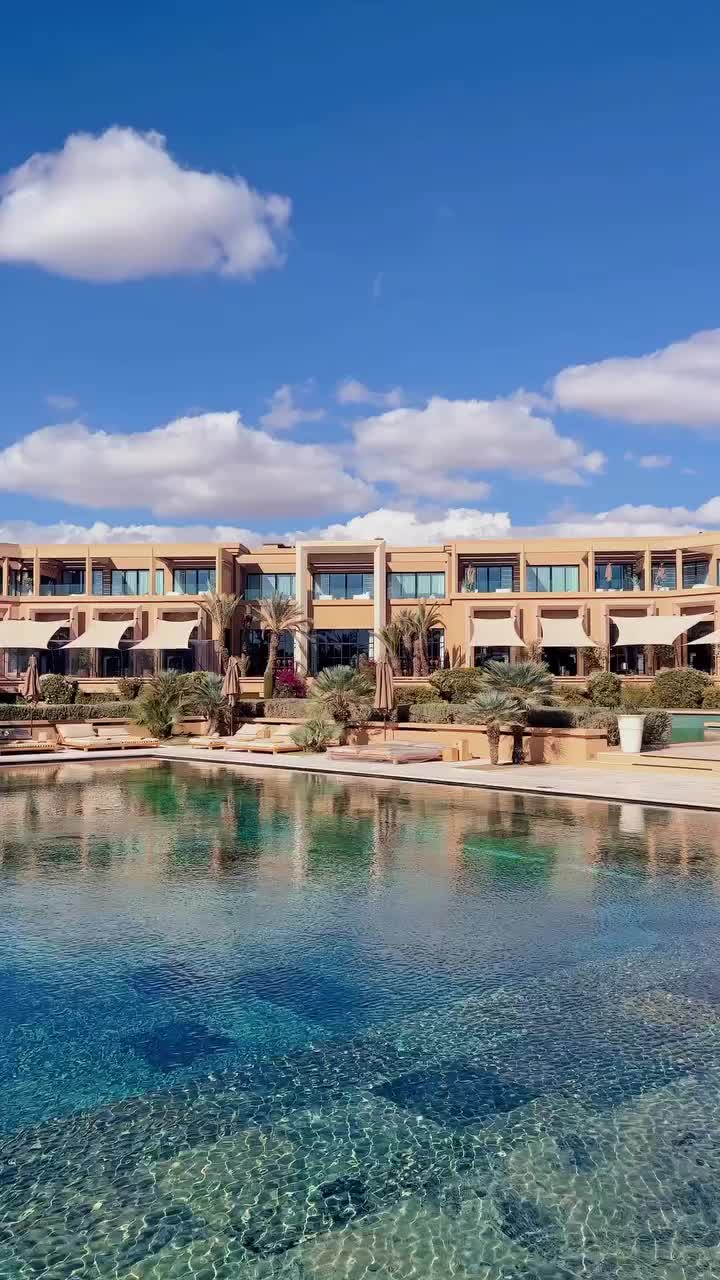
(103, 576)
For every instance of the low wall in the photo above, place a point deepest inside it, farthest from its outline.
(542, 746)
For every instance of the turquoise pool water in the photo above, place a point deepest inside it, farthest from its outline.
(287, 1026)
(691, 728)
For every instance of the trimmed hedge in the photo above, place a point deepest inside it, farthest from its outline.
(605, 689)
(680, 687)
(432, 713)
(412, 695)
(657, 728)
(55, 711)
(711, 698)
(459, 684)
(552, 718)
(285, 708)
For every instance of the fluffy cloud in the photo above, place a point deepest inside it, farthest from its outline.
(117, 206)
(63, 404)
(284, 413)
(649, 461)
(410, 529)
(28, 532)
(437, 451)
(350, 391)
(679, 384)
(195, 466)
(631, 521)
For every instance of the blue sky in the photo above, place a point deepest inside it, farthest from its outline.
(334, 266)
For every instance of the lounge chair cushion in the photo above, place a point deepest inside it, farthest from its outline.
(71, 731)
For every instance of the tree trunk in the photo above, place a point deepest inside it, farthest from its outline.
(493, 737)
(518, 749)
(424, 660)
(417, 657)
(395, 663)
(269, 678)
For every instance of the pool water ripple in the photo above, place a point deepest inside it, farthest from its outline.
(293, 1027)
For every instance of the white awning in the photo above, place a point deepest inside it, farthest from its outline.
(17, 633)
(495, 633)
(654, 629)
(712, 638)
(105, 634)
(168, 633)
(565, 633)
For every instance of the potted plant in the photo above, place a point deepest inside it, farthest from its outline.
(630, 729)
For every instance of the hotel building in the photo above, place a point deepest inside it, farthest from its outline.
(98, 612)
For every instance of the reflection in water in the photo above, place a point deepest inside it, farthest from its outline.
(260, 1025)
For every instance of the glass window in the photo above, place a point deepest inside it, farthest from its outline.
(331, 648)
(130, 582)
(695, 573)
(257, 647)
(21, 583)
(261, 586)
(191, 582)
(488, 577)
(553, 577)
(159, 582)
(343, 586)
(97, 582)
(618, 577)
(664, 575)
(416, 586)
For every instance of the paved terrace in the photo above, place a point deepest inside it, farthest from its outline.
(642, 786)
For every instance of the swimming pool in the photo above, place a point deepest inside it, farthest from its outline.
(277, 1025)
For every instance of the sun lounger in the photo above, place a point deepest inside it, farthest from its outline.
(278, 741)
(246, 736)
(84, 737)
(389, 753)
(20, 741)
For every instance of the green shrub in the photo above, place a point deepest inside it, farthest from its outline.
(432, 713)
(411, 695)
(600, 718)
(711, 697)
(459, 684)
(657, 730)
(636, 697)
(58, 689)
(605, 689)
(552, 717)
(129, 688)
(571, 695)
(93, 696)
(314, 734)
(286, 708)
(57, 712)
(680, 687)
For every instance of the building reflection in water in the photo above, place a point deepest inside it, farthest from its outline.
(153, 821)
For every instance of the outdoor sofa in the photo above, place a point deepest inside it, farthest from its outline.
(85, 737)
(278, 741)
(389, 752)
(19, 741)
(238, 741)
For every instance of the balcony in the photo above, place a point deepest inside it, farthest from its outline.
(416, 586)
(343, 586)
(489, 578)
(664, 574)
(263, 586)
(620, 575)
(63, 588)
(553, 579)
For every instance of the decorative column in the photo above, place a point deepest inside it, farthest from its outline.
(523, 568)
(36, 572)
(88, 572)
(151, 570)
(647, 569)
(452, 569)
(301, 599)
(5, 585)
(679, 569)
(219, 585)
(591, 569)
(379, 595)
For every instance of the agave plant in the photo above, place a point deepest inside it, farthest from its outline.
(344, 694)
(165, 699)
(529, 683)
(222, 609)
(275, 616)
(495, 710)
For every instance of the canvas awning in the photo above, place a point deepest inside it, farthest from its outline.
(565, 633)
(654, 629)
(17, 633)
(169, 633)
(712, 638)
(101, 635)
(492, 633)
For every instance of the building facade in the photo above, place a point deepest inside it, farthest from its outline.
(99, 612)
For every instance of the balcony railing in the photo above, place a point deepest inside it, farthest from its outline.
(62, 589)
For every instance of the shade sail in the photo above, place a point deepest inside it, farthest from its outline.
(712, 638)
(491, 633)
(17, 633)
(168, 633)
(101, 635)
(653, 629)
(565, 633)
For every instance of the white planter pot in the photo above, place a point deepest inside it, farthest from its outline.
(631, 732)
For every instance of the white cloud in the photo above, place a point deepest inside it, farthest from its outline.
(63, 404)
(195, 466)
(649, 461)
(29, 532)
(409, 528)
(350, 391)
(284, 413)
(117, 206)
(679, 384)
(438, 451)
(630, 521)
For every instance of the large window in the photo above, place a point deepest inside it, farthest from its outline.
(339, 648)
(130, 582)
(261, 586)
(191, 582)
(562, 662)
(343, 586)
(21, 582)
(257, 647)
(553, 577)
(416, 586)
(72, 583)
(97, 582)
(611, 576)
(695, 573)
(483, 654)
(664, 575)
(487, 578)
(159, 582)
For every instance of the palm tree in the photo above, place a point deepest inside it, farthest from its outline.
(222, 608)
(426, 618)
(209, 700)
(529, 683)
(275, 616)
(165, 700)
(344, 694)
(392, 637)
(494, 709)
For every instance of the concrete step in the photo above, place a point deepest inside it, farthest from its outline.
(649, 760)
